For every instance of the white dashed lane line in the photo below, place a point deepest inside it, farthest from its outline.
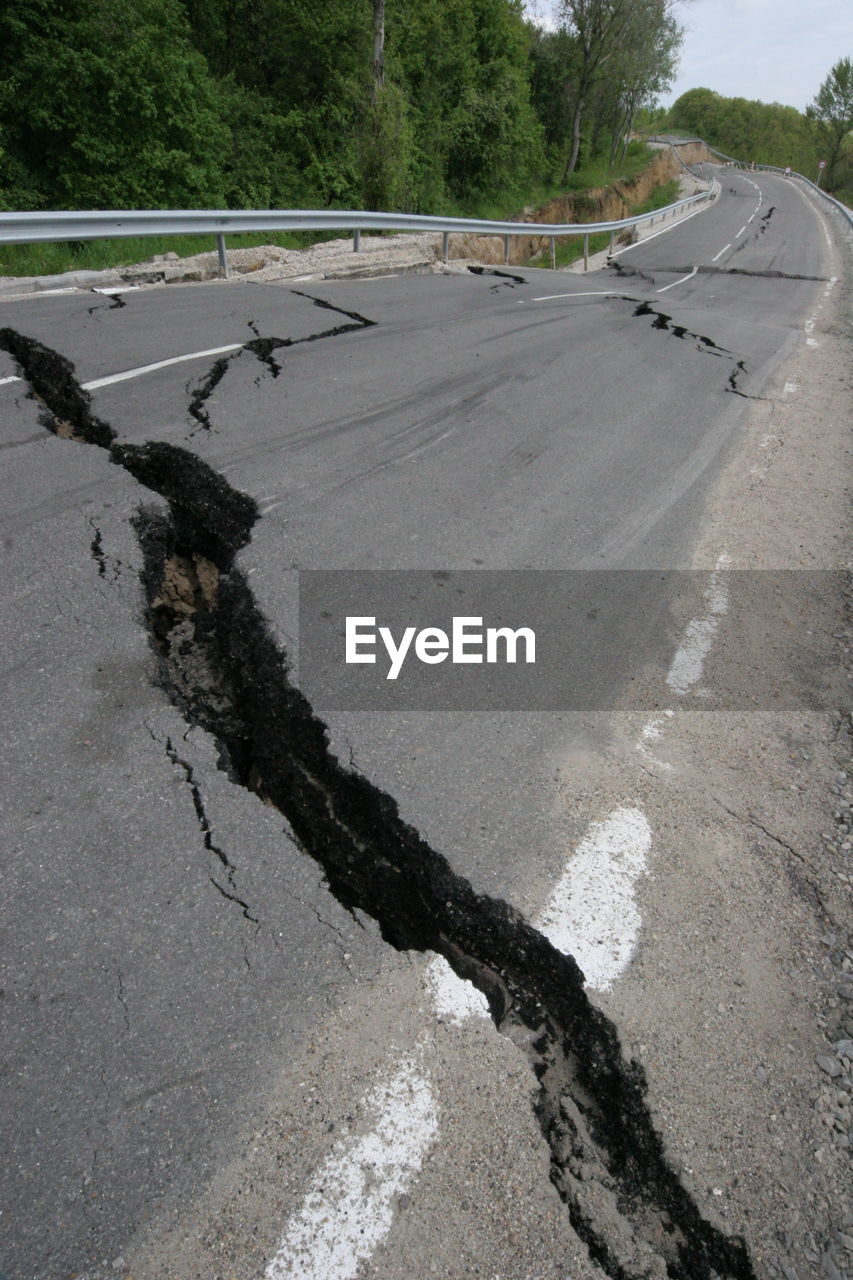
(591, 914)
(688, 664)
(350, 1207)
(159, 364)
(720, 254)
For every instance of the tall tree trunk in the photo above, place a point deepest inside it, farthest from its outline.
(378, 47)
(576, 139)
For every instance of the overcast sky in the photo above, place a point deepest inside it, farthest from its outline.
(772, 50)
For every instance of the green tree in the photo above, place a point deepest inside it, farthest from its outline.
(615, 42)
(644, 67)
(765, 132)
(105, 104)
(831, 114)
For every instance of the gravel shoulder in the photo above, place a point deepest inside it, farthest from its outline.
(740, 1000)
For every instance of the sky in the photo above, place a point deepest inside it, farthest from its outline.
(772, 50)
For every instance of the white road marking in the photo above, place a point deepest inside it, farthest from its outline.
(740, 233)
(348, 1209)
(454, 998)
(720, 254)
(159, 364)
(5, 381)
(681, 281)
(688, 663)
(589, 293)
(592, 913)
(678, 222)
(652, 732)
(349, 1206)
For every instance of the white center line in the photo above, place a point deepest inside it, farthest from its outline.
(159, 364)
(740, 233)
(592, 293)
(681, 281)
(720, 254)
(592, 913)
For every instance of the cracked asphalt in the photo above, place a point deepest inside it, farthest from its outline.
(172, 949)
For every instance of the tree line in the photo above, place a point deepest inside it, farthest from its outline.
(412, 105)
(769, 133)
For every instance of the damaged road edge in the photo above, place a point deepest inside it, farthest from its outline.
(220, 664)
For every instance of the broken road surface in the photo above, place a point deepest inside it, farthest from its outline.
(230, 904)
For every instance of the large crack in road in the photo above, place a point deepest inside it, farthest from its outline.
(219, 663)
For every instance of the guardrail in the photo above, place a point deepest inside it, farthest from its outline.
(751, 167)
(29, 228)
(772, 168)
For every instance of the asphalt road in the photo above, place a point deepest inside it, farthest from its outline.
(169, 949)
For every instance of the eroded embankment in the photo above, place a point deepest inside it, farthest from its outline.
(599, 204)
(219, 663)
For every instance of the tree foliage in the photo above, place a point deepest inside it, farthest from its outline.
(418, 105)
(831, 115)
(106, 104)
(769, 133)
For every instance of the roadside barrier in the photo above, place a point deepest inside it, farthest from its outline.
(30, 228)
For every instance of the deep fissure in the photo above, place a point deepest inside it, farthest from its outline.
(221, 666)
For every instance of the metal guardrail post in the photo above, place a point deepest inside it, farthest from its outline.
(356, 241)
(612, 240)
(553, 253)
(506, 250)
(223, 257)
(586, 252)
(445, 244)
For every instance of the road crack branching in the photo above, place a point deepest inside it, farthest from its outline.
(509, 280)
(221, 665)
(663, 321)
(207, 835)
(263, 349)
(805, 884)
